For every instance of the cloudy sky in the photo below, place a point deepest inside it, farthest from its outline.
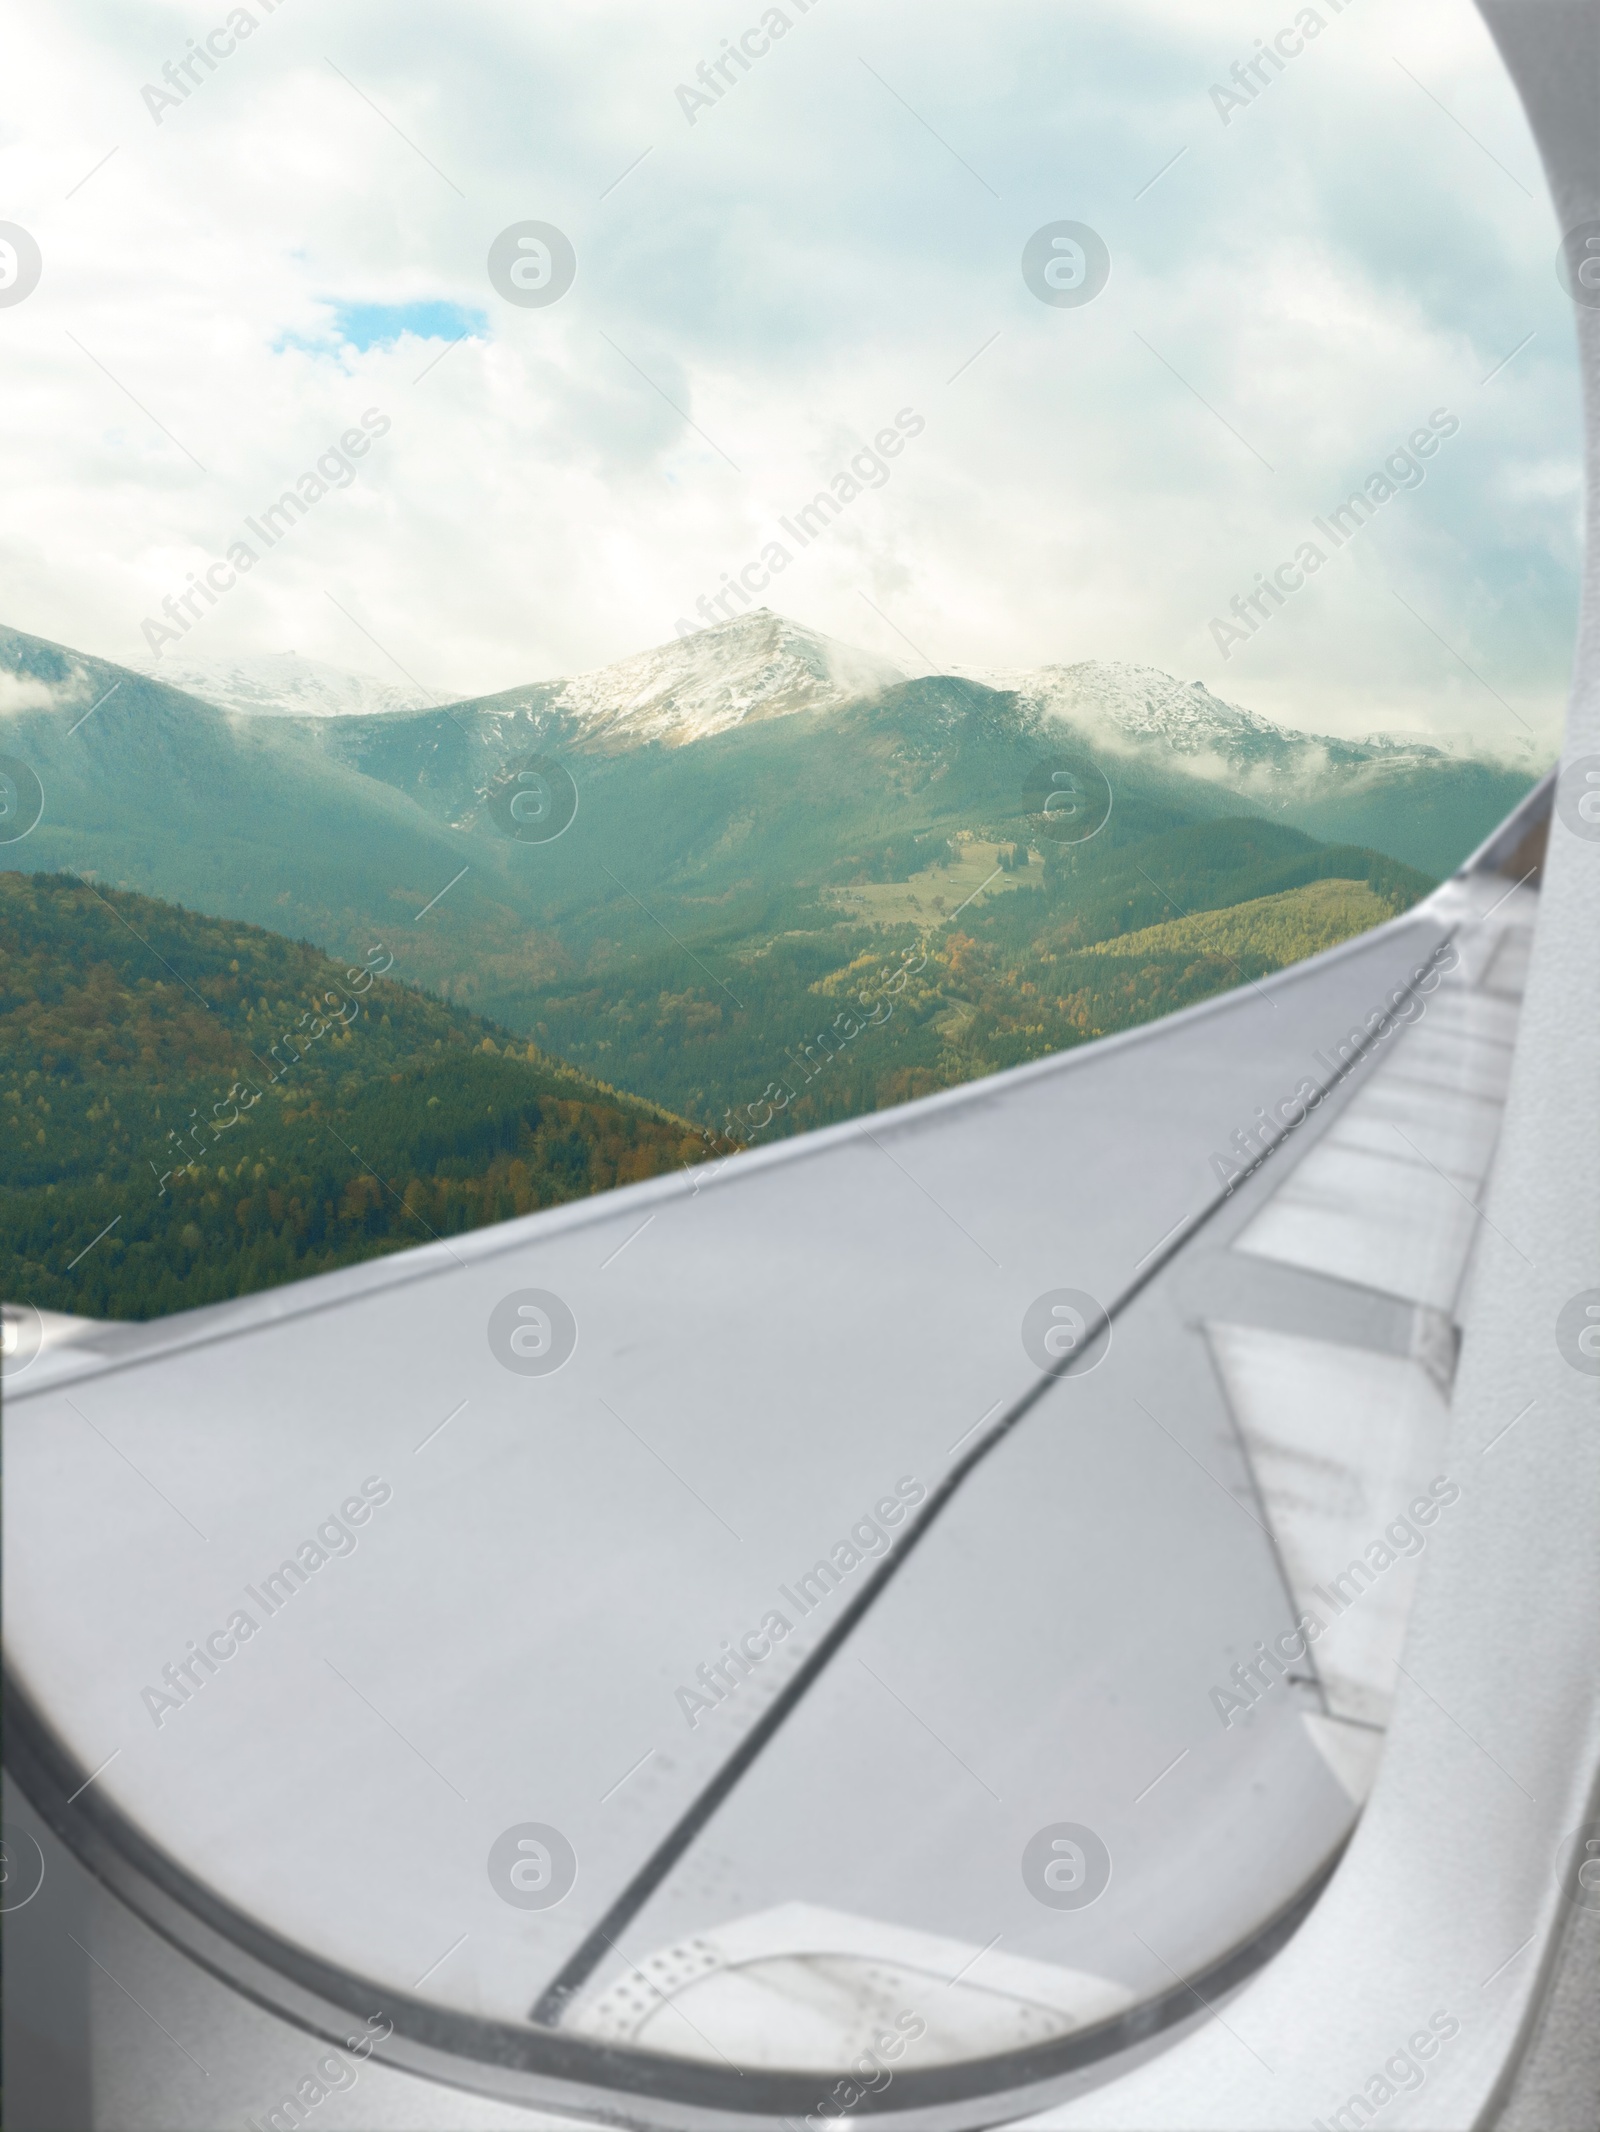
(763, 282)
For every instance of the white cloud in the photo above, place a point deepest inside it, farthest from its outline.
(806, 259)
(20, 692)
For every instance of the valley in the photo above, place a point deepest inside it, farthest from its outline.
(776, 838)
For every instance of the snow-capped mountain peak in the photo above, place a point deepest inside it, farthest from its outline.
(285, 684)
(761, 665)
(1127, 708)
(756, 666)
(1140, 702)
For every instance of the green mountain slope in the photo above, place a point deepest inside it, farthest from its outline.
(191, 1108)
(1069, 953)
(1430, 818)
(707, 902)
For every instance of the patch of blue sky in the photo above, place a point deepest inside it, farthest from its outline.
(366, 325)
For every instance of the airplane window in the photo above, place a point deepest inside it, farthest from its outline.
(773, 790)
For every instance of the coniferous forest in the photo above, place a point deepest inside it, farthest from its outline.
(192, 1109)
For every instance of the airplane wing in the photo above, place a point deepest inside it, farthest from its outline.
(925, 1596)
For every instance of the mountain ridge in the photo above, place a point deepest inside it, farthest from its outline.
(1141, 708)
(709, 909)
(286, 684)
(95, 731)
(764, 665)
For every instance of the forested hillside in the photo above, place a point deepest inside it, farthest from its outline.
(782, 923)
(705, 900)
(192, 1108)
(883, 991)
